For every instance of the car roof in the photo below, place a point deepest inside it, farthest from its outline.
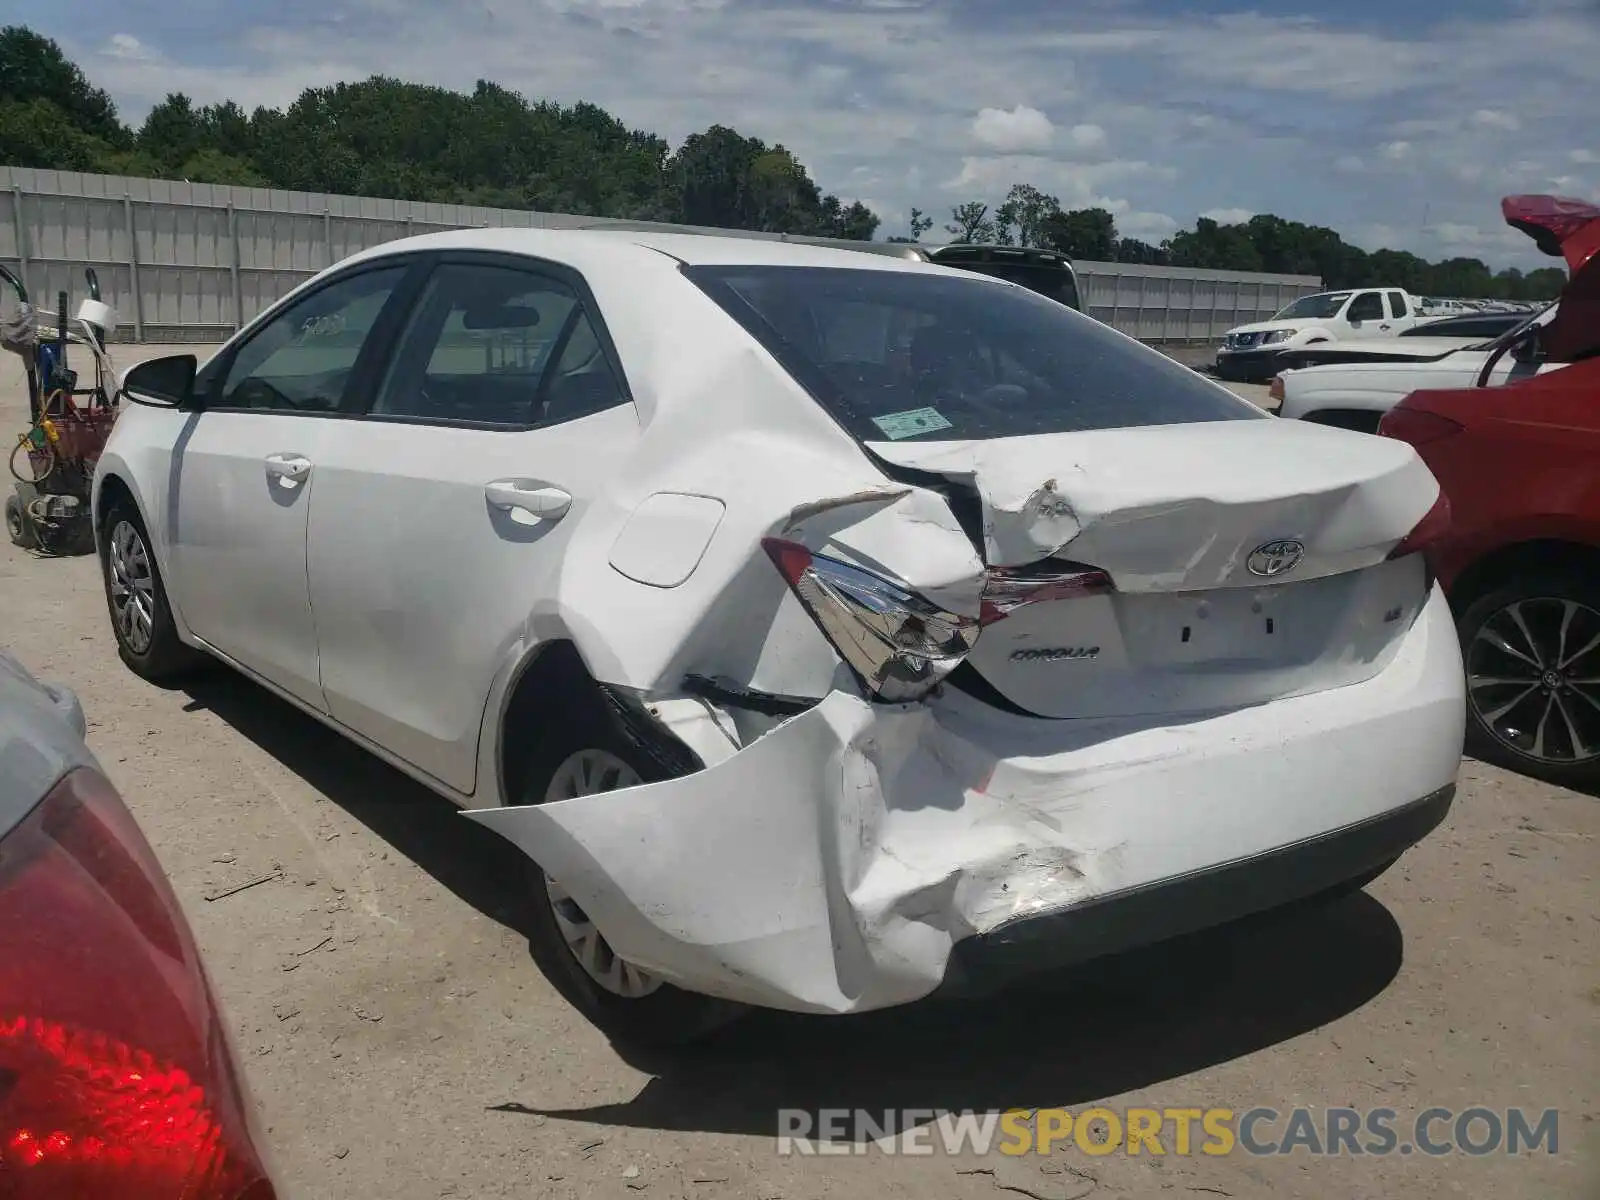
(583, 248)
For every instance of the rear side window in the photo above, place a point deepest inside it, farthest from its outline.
(896, 355)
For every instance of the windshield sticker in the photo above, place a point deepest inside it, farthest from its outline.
(901, 425)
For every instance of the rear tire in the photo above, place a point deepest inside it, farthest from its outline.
(1532, 654)
(628, 1005)
(18, 527)
(141, 618)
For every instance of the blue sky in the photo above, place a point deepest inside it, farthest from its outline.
(1398, 124)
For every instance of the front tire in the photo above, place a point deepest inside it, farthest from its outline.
(1532, 655)
(141, 618)
(584, 751)
(18, 526)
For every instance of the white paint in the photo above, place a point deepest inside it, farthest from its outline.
(401, 586)
(1179, 507)
(665, 538)
(832, 865)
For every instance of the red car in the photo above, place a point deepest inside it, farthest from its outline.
(117, 1077)
(1520, 562)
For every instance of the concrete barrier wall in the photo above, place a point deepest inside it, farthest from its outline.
(191, 262)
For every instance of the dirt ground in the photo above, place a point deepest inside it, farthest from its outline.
(402, 1044)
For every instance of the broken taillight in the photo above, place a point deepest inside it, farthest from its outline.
(116, 1075)
(901, 644)
(1007, 590)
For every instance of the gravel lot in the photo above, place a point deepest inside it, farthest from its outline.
(402, 1044)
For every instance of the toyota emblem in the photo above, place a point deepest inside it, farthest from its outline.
(1274, 558)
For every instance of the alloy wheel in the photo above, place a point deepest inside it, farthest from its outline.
(133, 587)
(588, 773)
(1533, 679)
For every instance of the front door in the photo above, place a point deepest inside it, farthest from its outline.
(439, 523)
(244, 472)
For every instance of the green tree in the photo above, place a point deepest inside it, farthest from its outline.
(1215, 247)
(174, 132)
(32, 67)
(1087, 233)
(37, 133)
(1132, 250)
(1024, 218)
(970, 222)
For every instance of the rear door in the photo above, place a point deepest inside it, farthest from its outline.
(442, 517)
(246, 466)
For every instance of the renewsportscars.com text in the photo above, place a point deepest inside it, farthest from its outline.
(1099, 1131)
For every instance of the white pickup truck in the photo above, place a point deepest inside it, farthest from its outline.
(1355, 395)
(1250, 352)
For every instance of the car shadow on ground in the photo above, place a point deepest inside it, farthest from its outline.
(480, 867)
(1061, 1039)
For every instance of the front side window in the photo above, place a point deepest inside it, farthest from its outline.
(493, 345)
(302, 359)
(1314, 308)
(895, 355)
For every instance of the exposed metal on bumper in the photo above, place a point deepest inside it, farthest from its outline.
(835, 864)
(1173, 907)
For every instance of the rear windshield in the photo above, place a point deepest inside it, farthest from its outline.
(898, 355)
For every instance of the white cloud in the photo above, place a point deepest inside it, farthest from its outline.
(1088, 137)
(1229, 216)
(1151, 227)
(1011, 131)
(1489, 118)
(125, 45)
(1326, 120)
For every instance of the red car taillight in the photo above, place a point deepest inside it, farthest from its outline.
(1008, 590)
(1434, 525)
(1416, 425)
(116, 1074)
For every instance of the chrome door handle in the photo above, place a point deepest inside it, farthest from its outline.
(545, 503)
(288, 468)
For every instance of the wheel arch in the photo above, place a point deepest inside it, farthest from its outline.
(1506, 562)
(554, 678)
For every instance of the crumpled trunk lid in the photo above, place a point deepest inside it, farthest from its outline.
(1182, 507)
(1249, 561)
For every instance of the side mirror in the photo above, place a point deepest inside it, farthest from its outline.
(162, 382)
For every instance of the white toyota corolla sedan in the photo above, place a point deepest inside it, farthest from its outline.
(830, 629)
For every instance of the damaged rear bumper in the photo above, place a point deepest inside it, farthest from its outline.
(860, 856)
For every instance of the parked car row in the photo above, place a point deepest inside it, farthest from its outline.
(1511, 429)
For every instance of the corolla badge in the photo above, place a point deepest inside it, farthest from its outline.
(1051, 654)
(1274, 558)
